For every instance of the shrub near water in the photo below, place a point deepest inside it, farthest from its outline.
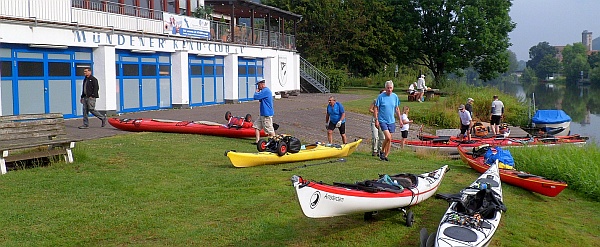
(445, 112)
(578, 166)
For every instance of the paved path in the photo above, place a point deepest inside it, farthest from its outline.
(302, 116)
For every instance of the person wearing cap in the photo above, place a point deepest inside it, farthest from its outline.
(387, 104)
(265, 121)
(421, 88)
(335, 118)
(469, 106)
(466, 123)
(497, 114)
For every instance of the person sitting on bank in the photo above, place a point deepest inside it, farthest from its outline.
(412, 88)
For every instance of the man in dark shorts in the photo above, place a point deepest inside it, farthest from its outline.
(335, 118)
(497, 114)
(465, 123)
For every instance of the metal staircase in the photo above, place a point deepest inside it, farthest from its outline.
(316, 80)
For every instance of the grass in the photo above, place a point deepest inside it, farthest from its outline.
(157, 189)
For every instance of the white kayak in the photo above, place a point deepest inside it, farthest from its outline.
(474, 214)
(319, 200)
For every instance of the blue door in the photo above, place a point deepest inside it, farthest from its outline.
(144, 81)
(40, 80)
(248, 71)
(206, 80)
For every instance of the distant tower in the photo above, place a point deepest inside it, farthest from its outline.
(586, 39)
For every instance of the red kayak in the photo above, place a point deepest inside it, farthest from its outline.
(448, 144)
(521, 179)
(184, 127)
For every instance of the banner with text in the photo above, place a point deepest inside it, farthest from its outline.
(186, 26)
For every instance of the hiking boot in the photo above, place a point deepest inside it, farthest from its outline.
(83, 127)
(103, 121)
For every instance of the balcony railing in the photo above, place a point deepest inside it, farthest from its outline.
(116, 16)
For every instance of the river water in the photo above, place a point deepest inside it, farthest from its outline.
(580, 102)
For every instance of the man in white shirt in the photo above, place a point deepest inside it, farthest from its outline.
(497, 114)
(465, 123)
(421, 87)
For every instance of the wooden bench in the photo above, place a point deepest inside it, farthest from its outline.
(32, 136)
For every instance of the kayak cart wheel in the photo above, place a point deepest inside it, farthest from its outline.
(369, 215)
(227, 115)
(410, 218)
(282, 148)
(261, 145)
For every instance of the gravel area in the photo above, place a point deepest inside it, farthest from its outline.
(302, 116)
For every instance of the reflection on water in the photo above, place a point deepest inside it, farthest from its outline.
(577, 101)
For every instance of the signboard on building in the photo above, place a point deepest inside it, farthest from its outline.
(186, 26)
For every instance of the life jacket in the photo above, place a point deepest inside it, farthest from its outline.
(236, 122)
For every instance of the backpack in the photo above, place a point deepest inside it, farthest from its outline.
(294, 144)
(236, 122)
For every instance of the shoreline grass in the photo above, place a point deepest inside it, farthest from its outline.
(158, 189)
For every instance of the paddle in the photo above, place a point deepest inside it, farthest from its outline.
(322, 163)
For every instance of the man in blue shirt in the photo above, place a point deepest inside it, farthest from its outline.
(335, 118)
(387, 104)
(265, 121)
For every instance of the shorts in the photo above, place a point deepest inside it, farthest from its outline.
(389, 127)
(495, 120)
(404, 134)
(331, 126)
(463, 129)
(266, 123)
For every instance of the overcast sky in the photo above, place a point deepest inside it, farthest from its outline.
(558, 22)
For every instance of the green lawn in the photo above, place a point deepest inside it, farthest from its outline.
(158, 189)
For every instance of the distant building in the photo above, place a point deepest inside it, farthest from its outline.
(586, 39)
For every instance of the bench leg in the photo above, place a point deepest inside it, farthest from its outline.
(3, 162)
(69, 155)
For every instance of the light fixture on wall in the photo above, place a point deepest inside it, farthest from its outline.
(48, 46)
(142, 51)
(205, 55)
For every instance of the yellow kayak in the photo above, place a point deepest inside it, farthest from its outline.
(314, 152)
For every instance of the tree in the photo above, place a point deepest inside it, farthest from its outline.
(513, 62)
(547, 66)
(350, 34)
(575, 61)
(538, 52)
(448, 35)
(594, 60)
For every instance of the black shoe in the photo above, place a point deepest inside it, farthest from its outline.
(103, 121)
(254, 143)
(83, 127)
(374, 154)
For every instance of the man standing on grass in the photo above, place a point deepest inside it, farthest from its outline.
(387, 104)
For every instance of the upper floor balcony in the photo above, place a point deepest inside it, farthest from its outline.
(240, 21)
